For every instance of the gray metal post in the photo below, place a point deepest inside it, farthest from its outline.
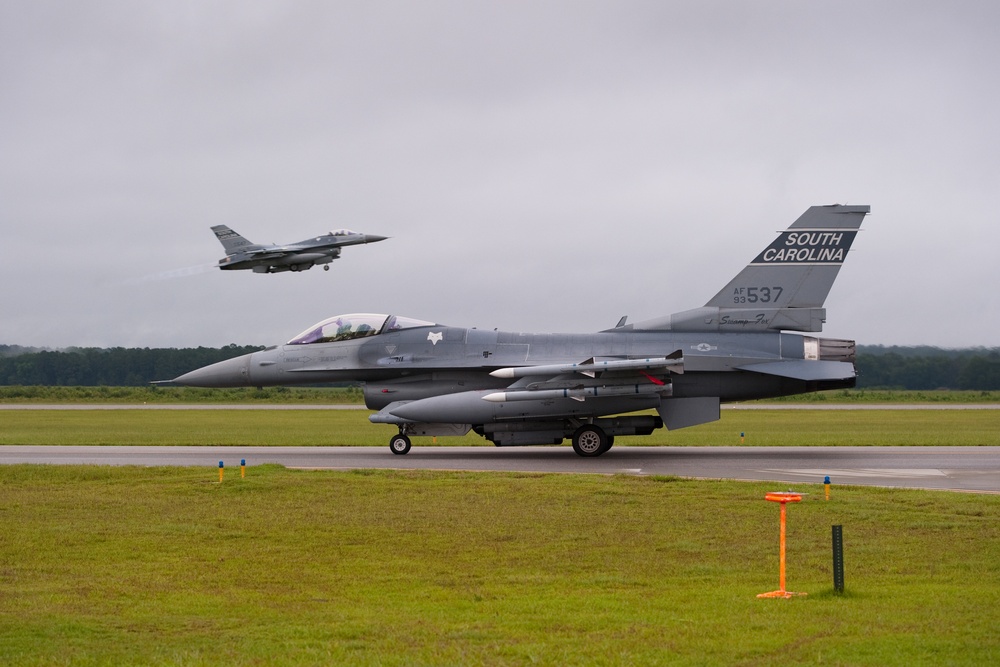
(838, 559)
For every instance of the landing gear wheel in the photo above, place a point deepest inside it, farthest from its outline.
(399, 444)
(590, 440)
(611, 442)
(326, 267)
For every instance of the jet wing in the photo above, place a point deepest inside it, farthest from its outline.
(262, 253)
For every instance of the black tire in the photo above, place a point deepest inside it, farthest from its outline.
(610, 444)
(399, 444)
(590, 440)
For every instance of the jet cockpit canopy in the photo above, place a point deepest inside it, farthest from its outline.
(355, 325)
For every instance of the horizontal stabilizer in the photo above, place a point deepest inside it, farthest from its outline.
(806, 370)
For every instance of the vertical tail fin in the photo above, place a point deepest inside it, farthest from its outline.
(785, 286)
(232, 241)
(798, 269)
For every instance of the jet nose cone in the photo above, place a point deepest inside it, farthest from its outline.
(229, 373)
(372, 238)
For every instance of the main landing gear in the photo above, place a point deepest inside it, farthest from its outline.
(591, 440)
(588, 440)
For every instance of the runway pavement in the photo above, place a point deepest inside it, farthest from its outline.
(972, 469)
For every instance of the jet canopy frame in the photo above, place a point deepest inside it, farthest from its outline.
(355, 325)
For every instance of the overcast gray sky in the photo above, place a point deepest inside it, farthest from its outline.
(540, 166)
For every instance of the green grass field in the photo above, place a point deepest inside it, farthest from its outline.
(351, 427)
(110, 566)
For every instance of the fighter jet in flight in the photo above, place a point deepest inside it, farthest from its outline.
(428, 379)
(301, 256)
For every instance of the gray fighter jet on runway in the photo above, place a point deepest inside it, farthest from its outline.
(242, 254)
(529, 389)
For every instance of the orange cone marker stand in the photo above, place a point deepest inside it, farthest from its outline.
(783, 497)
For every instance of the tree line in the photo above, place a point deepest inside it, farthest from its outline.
(879, 367)
(110, 367)
(925, 368)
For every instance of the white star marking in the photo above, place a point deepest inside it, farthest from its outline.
(435, 337)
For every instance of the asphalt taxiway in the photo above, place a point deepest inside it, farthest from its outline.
(970, 469)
